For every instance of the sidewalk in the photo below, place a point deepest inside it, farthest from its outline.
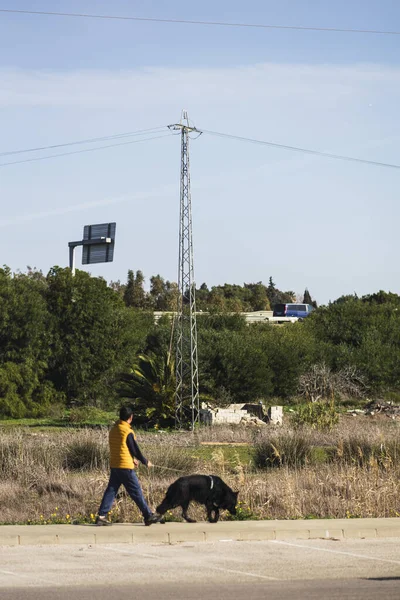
(171, 533)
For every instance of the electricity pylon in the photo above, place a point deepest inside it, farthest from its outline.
(187, 405)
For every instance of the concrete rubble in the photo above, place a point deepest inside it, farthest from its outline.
(246, 414)
(378, 408)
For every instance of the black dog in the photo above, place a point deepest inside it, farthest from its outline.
(209, 490)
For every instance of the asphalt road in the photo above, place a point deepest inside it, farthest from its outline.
(352, 589)
(346, 569)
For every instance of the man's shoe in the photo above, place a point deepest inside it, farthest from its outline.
(154, 518)
(102, 521)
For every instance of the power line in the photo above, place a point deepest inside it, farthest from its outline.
(87, 141)
(194, 22)
(304, 150)
(17, 162)
(156, 129)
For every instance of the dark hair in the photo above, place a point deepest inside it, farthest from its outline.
(125, 412)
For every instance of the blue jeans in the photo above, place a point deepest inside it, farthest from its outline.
(127, 478)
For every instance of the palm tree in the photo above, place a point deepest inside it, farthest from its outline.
(151, 385)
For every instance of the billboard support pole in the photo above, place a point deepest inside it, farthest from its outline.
(72, 258)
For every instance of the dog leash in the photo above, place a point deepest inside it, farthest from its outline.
(169, 469)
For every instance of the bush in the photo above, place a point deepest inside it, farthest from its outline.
(10, 453)
(392, 396)
(87, 414)
(291, 351)
(318, 415)
(22, 393)
(23, 457)
(321, 382)
(235, 361)
(366, 452)
(86, 453)
(362, 334)
(290, 449)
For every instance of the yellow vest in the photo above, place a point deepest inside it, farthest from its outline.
(120, 457)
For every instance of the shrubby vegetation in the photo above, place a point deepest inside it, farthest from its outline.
(77, 342)
(63, 339)
(283, 473)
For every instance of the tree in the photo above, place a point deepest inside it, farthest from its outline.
(26, 340)
(24, 392)
(139, 293)
(33, 273)
(171, 295)
(96, 336)
(163, 294)
(134, 294)
(346, 298)
(216, 300)
(362, 335)
(382, 297)
(235, 361)
(289, 350)
(271, 286)
(202, 294)
(221, 322)
(24, 320)
(275, 296)
(157, 292)
(150, 384)
(259, 296)
(118, 287)
(308, 300)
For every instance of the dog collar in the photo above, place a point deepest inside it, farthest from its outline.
(212, 482)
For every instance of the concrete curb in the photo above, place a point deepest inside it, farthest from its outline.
(171, 533)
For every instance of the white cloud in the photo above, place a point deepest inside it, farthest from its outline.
(156, 194)
(138, 88)
(322, 105)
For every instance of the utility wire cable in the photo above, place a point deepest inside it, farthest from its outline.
(155, 130)
(17, 162)
(195, 22)
(304, 150)
(87, 141)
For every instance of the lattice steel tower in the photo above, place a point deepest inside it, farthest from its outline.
(187, 403)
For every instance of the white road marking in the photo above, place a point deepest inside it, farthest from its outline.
(133, 552)
(23, 576)
(374, 558)
(243, 573)
(208, 566)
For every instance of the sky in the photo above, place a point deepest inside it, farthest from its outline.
(258, 211)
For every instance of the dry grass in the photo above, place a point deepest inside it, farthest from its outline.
(221, 433)
(60, 477)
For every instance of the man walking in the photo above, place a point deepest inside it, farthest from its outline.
(124, 456)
